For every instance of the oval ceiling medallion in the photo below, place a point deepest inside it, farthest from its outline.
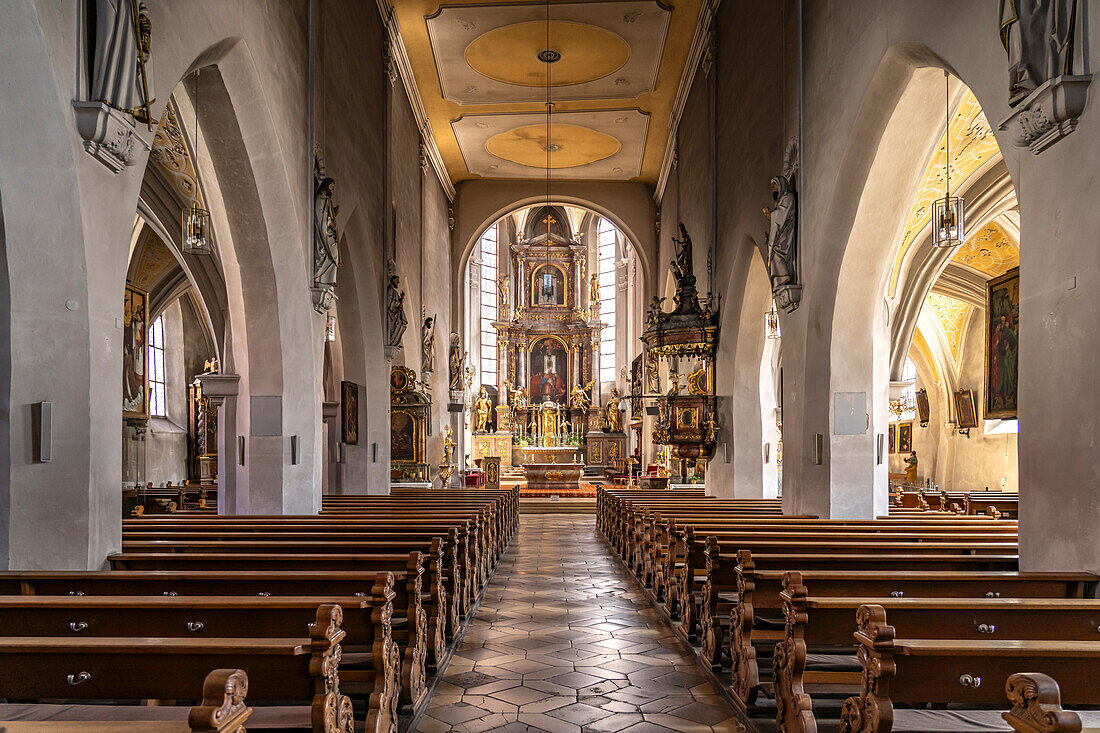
(511, 53)
(571, 146)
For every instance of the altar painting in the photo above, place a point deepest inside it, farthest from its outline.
(403, 437)
(549, 371)
(548, 286)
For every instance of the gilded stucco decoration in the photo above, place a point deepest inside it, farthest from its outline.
(972, 147)
(173, 158)
(989, 251)
(951, 314)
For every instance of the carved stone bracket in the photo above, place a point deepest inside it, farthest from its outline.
(324, 297)
(788, 297)
(1049, 113)
(110, 136)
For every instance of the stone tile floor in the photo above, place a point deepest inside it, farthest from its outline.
(564, 642)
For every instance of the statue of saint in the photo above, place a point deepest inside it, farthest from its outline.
(656, 308)
(613, 419)
(483, 408)
(454, 364)
(326, 240)
(396, 322)
(683, 265)
(594, 292)
(578, 397)
(448, 445)
(783, 231)
(427, 337)
(674, 384)
(120, 78)
(711, 428)
(502, 295)
(1042, 40)
(911, 469)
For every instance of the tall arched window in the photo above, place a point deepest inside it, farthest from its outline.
(158, 394)
(910, 393)
(487, 253)
(606, 249)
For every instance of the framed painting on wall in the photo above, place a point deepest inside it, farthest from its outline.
(135, 353)
(905, 437)
(1002, 344)
(924, 410)
(349, 413)
(893, 432)
(965, 415)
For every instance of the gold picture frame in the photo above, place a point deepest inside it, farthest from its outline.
(905, 437)
(349, 413)
(1002, 345)
(892, 430)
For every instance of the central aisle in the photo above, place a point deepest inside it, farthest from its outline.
(564, 641)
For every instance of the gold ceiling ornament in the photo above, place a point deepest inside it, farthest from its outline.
(510, 53)
(988, 251)
(572, 145)
(972, 147)
(951, 314)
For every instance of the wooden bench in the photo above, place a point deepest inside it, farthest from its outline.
(300, 670)
(368, 648)
(959, 672)
(221, 709)
(757, 618)
(818, 634)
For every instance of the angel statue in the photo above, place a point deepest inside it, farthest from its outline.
(517, 398)
(578, 397)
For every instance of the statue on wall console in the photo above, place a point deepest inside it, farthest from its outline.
(594, 292)
(454, 363)
(783, 233)
(1048, 77)
(120, 76)
(427, 341)
(483, 408)
(1042, 40)
(502, 297)
(326, 239)
(613, 419)
(448, 445)
(396, 321)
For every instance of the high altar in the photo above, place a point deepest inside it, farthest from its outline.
(548, 337)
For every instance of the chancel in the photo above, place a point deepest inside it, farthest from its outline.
(531, 365)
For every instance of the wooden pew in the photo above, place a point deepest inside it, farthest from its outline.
(1037, 707)
(959, 672)
(757, 619)
(367, 622)
(824, 624)
(221, 709)
(301, 670)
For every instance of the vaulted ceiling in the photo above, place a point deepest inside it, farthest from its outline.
(613, 84)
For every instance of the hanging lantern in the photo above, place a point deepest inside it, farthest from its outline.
(771, 324)
(196, 231)
(949, 212)
(948, 221)
(330, 327)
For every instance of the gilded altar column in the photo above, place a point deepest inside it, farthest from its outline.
(521, 284)
(578, 283)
